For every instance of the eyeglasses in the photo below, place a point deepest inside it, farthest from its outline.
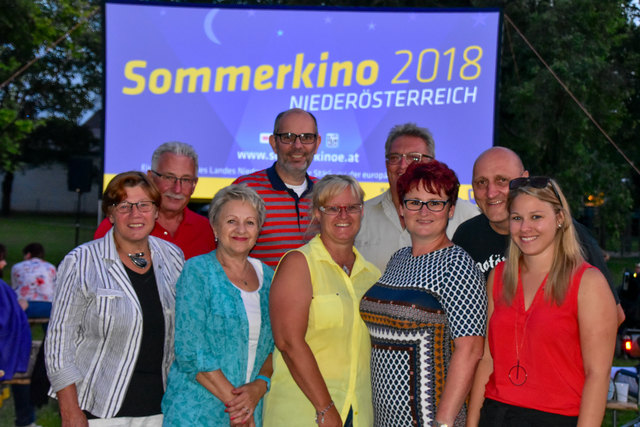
(173, 179)
(335, 210)
(432, 205)
(126, 207)
(396, 158)
(290, 138)
(535, 182)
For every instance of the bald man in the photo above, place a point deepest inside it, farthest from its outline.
(486, 237)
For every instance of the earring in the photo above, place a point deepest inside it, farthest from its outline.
(559, 225)
(215, 238)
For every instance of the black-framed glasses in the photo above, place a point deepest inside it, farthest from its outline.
(432, 205)
(126, 207)
(171, 179)
(534, 182)
(290, 137)
(335, 210)
(396, 158)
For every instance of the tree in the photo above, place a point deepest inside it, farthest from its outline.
(583, 43)
(38, 83)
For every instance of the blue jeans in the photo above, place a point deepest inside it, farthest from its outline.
(38, 309)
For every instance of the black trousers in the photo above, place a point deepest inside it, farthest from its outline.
(498, 414)
(349, 421)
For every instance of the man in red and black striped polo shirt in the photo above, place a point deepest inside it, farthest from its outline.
(285, 187)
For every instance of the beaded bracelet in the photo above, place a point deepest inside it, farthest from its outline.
(320, 414)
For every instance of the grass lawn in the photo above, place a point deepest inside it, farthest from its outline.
(57, 233)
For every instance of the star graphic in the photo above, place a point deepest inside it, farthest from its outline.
(372, 26)
(280, 33)
(328, 20)
(479, 19)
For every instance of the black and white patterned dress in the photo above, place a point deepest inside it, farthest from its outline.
(414, 312)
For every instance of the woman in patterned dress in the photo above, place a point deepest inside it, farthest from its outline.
(426, 315)
(223, 333)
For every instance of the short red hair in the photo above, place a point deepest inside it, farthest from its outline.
(434, 176)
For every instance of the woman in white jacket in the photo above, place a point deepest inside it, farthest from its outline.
(110, 339)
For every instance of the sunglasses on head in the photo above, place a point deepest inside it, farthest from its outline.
(534, 182)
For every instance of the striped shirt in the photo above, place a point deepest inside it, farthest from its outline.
(94, 336)
(287, 215)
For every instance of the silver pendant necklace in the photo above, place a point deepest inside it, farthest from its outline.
(518, 374)
(138, 259)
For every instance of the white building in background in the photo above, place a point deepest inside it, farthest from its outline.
(44, 189)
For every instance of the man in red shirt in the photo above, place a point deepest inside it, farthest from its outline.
(174, 170)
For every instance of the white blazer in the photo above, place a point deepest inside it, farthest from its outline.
(95, 330)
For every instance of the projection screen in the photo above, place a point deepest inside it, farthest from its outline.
(216, 77)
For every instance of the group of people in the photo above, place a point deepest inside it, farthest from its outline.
(376, 313)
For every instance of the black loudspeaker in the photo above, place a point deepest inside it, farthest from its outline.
(79, 174)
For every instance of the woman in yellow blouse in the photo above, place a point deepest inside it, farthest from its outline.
(321, 365)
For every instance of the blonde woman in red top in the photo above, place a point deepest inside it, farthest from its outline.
(552, 322)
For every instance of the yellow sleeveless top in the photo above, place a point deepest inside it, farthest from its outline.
(339, 340)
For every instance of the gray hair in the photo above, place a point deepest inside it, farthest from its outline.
(177, 148)
(237, 192)
(282, 115)
(410, 129)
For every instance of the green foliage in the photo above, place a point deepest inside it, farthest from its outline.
(12, 130)
(44, 75)
(56, 140)
(592, 47)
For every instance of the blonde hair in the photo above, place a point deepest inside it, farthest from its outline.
(239, 192)
(326, 189)
(567, 252)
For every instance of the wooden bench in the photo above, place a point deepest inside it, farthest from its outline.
(25, 377)
(616, 406)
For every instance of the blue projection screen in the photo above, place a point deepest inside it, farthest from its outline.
(216, 78)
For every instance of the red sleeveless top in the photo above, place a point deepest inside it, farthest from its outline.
(550, 368)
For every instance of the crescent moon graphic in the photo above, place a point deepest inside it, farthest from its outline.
(208, 27)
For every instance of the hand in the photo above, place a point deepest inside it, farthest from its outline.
(331, 418)
(250, 423)
(24, 304)
(75, 418)
(241, 407)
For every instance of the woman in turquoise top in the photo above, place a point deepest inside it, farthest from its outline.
(223, 340)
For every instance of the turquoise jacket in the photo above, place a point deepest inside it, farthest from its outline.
(212, 332)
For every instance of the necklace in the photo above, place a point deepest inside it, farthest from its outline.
(518, 374)
(239, 277)
(346, 269)
(138, 259)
